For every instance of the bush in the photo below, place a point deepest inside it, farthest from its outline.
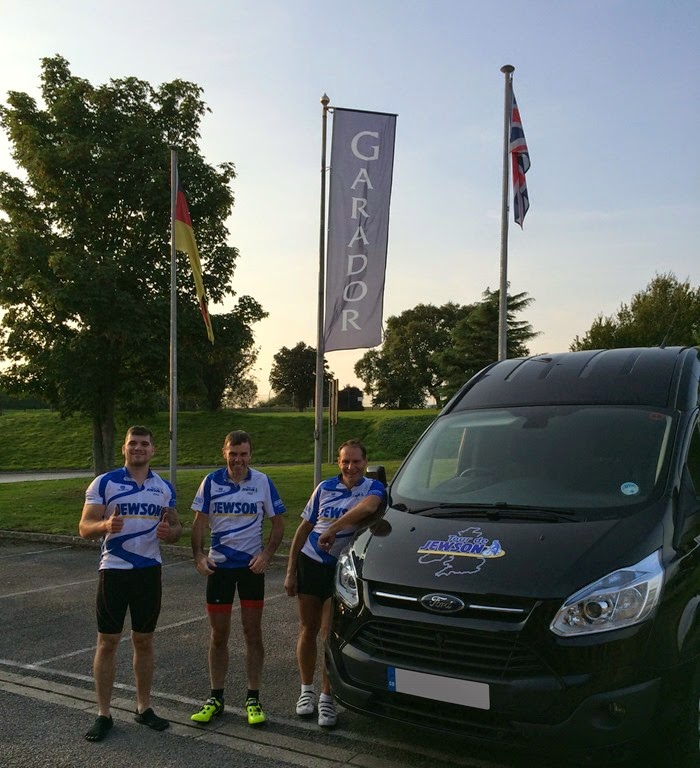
(41, 440)
(397, 435)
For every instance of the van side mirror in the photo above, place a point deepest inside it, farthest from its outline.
(377, 472)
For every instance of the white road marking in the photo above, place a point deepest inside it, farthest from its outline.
(35, 552)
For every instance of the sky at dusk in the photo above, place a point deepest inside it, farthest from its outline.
(608, 95)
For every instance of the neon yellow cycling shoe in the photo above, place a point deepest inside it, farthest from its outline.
(211, 708)
(256, 716)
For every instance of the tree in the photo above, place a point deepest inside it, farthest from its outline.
(666, 312)
(386, 382)
(214, 374)
(294, 374)
(474, 338)
(84, 243)
(278, 400)
(407, 369)
(350, 399)
(243, 395)
(430, 351)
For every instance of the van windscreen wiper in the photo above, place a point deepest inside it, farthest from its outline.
(495, 511)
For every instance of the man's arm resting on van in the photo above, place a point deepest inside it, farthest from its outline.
(94, 525)
(368, 506)
(300, 536)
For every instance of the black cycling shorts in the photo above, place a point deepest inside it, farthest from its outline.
(222, 584)
(314, 578)
(137, 589)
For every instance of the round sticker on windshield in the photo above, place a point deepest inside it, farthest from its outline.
(629, 489)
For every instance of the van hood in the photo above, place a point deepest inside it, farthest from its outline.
(536, 559)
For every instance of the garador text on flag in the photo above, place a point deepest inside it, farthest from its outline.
(184, 241)
(362, 160)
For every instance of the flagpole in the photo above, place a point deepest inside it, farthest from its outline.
(507, 70)
(173, 318)
(320, 350)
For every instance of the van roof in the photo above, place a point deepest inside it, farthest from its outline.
(662, 377)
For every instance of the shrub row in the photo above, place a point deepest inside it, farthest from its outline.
(41, 440)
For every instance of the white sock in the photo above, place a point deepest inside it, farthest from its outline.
(307, 688)
(326, 697)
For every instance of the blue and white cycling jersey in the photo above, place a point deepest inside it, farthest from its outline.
(236, 513)
(331, 500)
(136, 545)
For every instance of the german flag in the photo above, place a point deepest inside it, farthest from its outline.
(184, 241)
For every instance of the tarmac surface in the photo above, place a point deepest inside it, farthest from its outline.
(47, 643)
(30, 475)
(17, 477)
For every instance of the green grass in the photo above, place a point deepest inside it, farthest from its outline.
(54, 506)
(283, 447)
(41, 440)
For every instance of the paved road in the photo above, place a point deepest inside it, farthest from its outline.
(31, 475)
(47, 700)
(17, 477)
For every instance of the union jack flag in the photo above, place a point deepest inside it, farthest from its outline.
(521, 165)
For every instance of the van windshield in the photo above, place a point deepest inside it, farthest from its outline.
(572, 457)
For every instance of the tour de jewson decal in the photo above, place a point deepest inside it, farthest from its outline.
(463, 552)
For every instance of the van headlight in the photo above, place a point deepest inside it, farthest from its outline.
(346, 581)
(620, 599)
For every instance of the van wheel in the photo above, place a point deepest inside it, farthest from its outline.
(684, 744)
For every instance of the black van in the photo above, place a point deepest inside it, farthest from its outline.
(535, 579)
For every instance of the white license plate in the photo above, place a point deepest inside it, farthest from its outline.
(449, 689)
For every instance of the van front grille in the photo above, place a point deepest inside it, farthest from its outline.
(447, 650)
(512, 610)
